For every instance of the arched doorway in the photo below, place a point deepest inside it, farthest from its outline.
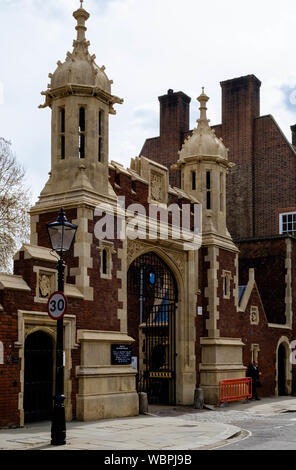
(152, 302)
(282, 379)
(38, 383)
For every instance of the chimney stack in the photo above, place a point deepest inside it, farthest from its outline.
(293, 129)
(174, 122)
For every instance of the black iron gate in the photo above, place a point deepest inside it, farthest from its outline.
(38, 390)
(160, 354)
(153, 283)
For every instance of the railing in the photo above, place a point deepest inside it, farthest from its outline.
(235, 390)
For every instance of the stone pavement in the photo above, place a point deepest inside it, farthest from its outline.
(139, 433)
(165, 428)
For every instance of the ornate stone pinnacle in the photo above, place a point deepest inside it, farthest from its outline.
(81, 16)
(203, 99)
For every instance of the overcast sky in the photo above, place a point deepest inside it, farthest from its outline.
(147, 46)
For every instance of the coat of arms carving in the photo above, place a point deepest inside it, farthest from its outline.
(156, 187)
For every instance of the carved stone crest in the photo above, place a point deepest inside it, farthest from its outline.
(156, 187)
(134, 249)
(254, 316)
(44, 285)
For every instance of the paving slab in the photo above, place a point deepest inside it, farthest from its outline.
(138, 433)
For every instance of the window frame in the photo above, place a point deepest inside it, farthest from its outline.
(227, 278)
(193, 180)
(281, 223)
(108, 248)
(101, 136)
(209, 190)
(82, 133)
(62, 132)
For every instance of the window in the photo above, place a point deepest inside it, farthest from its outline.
(100, 134)
(221, 192)
(62, 132)
(106, 250)
(226, 276)
(104, 262)
(82, 132)
(193, 174)
(288, 223)
(208, 186)
(1, 353)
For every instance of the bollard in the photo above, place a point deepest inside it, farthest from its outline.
(143, 403)
(198, 399)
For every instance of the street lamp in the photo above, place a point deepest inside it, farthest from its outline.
(61, 234)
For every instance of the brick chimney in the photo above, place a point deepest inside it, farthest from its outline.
(240, 107)
(174, 122)
(293, 129)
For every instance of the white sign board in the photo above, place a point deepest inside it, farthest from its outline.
(135, 362)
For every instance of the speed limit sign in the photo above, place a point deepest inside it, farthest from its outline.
(57, 305)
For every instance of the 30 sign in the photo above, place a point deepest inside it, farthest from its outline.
(57, 305)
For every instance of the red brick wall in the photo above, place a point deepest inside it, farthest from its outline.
(267, 338)
(151, 149)
(9, 372)
(227, 323)
(240, 106)
(275, 176)
(267, 257)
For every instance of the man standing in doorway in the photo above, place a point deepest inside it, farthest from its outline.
(253, 372)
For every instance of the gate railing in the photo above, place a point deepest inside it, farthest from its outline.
(235, 389)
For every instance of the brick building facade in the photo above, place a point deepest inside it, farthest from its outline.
(190, 309)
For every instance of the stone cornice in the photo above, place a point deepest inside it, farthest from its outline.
(72, 199)
(202, 159)
(73, 89)
(214, 239)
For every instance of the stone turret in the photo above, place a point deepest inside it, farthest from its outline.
(79, 95)
(203, 161)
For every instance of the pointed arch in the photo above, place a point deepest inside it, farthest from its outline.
(283, 367)
(167, 257)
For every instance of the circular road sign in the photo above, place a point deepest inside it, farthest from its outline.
(57, 305)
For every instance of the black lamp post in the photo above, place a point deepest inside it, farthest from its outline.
(61, 234)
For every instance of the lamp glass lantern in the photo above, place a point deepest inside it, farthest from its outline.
(61, 233)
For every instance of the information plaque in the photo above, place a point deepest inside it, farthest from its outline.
(121, 354)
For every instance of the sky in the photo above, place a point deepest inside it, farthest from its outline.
(148, 47)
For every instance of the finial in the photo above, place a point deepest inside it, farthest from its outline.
(81, 16)
(203, 99)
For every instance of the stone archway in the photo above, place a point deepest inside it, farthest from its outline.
(152, 307)
(283, 368)
(38, 376)
(183, 267)
(30, 322)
